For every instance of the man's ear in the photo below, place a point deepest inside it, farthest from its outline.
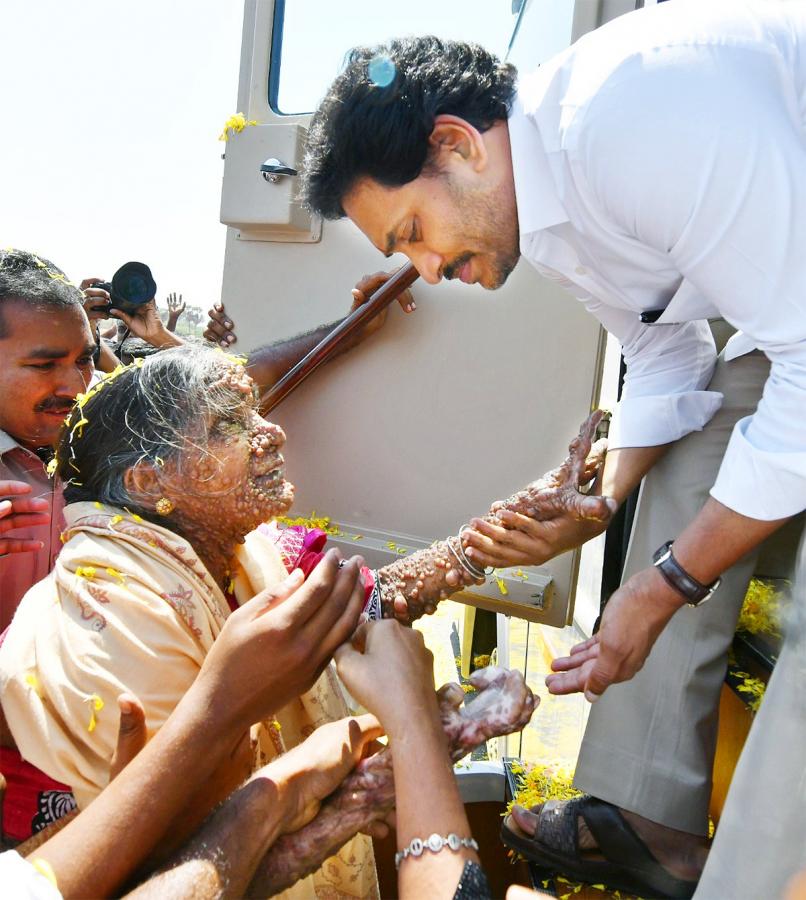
(142, 484)
(453, 135)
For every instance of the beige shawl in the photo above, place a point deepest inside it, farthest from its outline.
(130, 606)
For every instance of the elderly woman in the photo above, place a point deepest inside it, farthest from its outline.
(170, 475)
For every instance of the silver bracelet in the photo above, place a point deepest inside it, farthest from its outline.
(482, 571)
(435, 843)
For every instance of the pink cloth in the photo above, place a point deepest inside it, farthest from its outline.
(20, 571)
(303, 548)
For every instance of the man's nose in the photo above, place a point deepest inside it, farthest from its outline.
(71, 385)
(427, 263)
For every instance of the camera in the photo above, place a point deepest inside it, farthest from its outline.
(131, 286)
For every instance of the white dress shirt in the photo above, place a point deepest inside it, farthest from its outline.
(660, 164)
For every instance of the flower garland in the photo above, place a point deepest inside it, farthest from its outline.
(235, 125)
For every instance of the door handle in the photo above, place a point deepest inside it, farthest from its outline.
(273, 170)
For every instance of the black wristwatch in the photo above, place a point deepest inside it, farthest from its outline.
(694, 591)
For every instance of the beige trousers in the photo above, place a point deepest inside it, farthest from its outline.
(649, 745)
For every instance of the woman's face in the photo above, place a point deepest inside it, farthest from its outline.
(236, 481)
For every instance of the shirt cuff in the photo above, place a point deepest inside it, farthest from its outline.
(760, 484)
(655, 420)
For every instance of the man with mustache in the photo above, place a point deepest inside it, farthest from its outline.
(46, 349)
(657, 170)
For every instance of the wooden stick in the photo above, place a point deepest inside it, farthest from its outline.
(330, 345)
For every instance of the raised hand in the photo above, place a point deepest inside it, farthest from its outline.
(549, 516)
(20, 512)
(274, 647)
(176, 306)
(219, 327)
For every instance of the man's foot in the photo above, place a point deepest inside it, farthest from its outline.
(683, 855)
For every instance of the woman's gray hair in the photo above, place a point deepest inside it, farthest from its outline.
(152, 411)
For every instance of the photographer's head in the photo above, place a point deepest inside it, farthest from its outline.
(411, 143)
(46, 348)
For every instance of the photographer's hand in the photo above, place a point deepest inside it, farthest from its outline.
(146, 324)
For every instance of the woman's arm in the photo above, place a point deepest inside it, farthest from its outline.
(413, 585)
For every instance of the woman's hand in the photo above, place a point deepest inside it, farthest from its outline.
(220, 327)
(631, 622)
(275, 646)
(316, 767)
(390, 672)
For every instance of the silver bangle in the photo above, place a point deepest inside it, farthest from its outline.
(434, 843)
(465, 564)
(482, 572)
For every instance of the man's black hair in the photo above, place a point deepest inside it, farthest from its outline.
(33, 279)
(362, 129)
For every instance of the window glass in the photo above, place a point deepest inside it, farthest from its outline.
(317, 34)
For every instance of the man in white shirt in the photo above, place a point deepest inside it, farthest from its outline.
(658, 169)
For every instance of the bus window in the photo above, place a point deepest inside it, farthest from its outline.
(311, 38)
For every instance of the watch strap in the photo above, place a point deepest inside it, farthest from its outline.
(694, 591)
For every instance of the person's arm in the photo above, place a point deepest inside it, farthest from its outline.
(107, 361)
(414, 584)
(752, 275)
(176, 306)
(392, 676)
(234, 688)
(269, 363)
(221, 858)
(147, 325)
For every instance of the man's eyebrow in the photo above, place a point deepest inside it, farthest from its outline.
(47, 353)
(391, 240)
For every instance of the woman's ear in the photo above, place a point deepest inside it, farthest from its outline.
(142, 484)
(453, 135)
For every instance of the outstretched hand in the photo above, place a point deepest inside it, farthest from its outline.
(20, 512)
(631, 622)
(176, 306)
(551, 515)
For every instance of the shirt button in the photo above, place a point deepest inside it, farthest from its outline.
(581, 270)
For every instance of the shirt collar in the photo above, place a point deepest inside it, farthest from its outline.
(538, 202)
(7, 443)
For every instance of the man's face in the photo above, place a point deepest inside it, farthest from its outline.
(45, 361)
(450, 224)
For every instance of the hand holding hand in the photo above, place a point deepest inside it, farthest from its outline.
(366, 288)
(176, 306)
(275, 646)
(551, 515)
(631, 622)
(316, 767)
(219, 327)
(21, 512)
(390, 672)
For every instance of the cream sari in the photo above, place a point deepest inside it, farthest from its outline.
(129, 606)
